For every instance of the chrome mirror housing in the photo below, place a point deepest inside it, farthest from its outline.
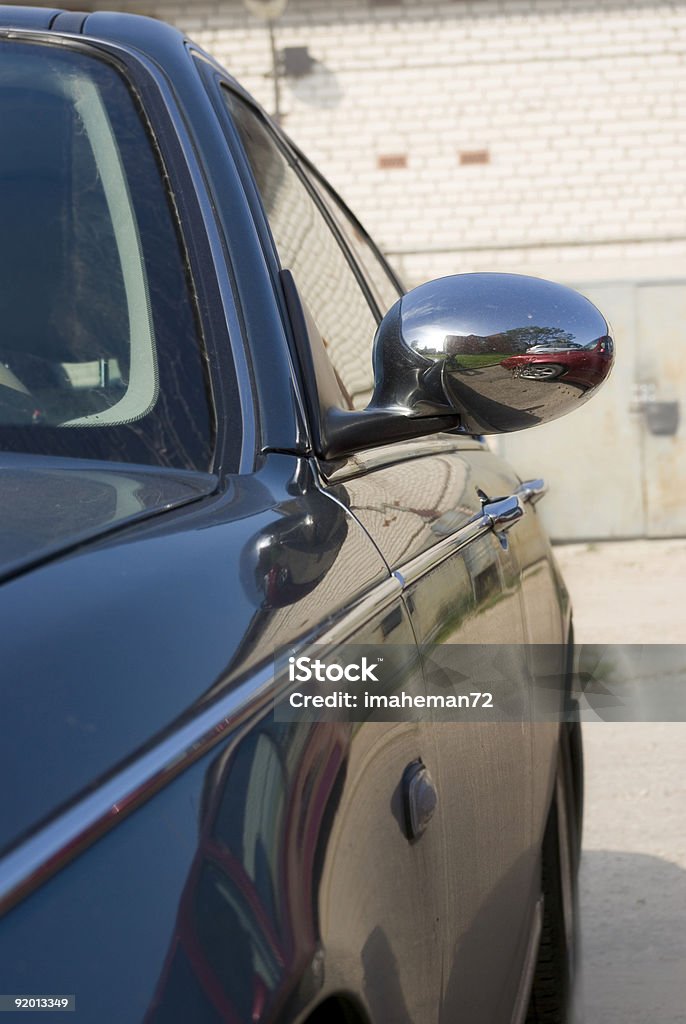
(502, 351)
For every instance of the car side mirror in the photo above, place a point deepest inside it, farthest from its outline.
(479, 353)
(502, 351)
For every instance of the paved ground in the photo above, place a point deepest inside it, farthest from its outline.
(627, 591)
(633, 878)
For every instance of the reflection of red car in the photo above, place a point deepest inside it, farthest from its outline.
(586, 365)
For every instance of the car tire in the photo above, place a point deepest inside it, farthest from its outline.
(552, 988)
(545, 371)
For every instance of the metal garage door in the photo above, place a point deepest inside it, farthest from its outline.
(617, 467)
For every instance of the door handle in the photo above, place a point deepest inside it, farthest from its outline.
(532, 490)
(503, 512)
(497, 514)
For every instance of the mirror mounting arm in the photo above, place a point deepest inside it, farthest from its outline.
(345, 432)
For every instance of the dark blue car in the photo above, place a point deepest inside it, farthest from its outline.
(227, 439)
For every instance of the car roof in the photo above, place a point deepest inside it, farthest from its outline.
(38, 18)
(157, 39)
(138, 33)
(100, 24)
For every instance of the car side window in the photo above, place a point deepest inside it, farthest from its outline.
(384, 289)
(307, 246)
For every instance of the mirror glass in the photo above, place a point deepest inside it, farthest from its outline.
(504, 350)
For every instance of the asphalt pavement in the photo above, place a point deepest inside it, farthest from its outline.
(633, 872)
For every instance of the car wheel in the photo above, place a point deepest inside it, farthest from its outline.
(544, 371)
(552, 988)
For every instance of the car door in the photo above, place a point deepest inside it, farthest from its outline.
(464, 597)
(416, 501)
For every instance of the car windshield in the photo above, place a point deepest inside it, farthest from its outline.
(99, 349)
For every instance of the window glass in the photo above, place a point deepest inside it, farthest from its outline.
(308, 248)
(99, 351)
(383, 287)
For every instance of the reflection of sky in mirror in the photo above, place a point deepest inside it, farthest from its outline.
(430, 339)
(486, 304)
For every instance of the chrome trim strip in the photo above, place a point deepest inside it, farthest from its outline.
(497, 516)
(57, 842)
(54, 844)
(418, 566)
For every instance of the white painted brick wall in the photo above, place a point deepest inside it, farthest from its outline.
(580, 103)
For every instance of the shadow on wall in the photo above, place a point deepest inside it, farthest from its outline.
(321, 88)
(633, 964)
